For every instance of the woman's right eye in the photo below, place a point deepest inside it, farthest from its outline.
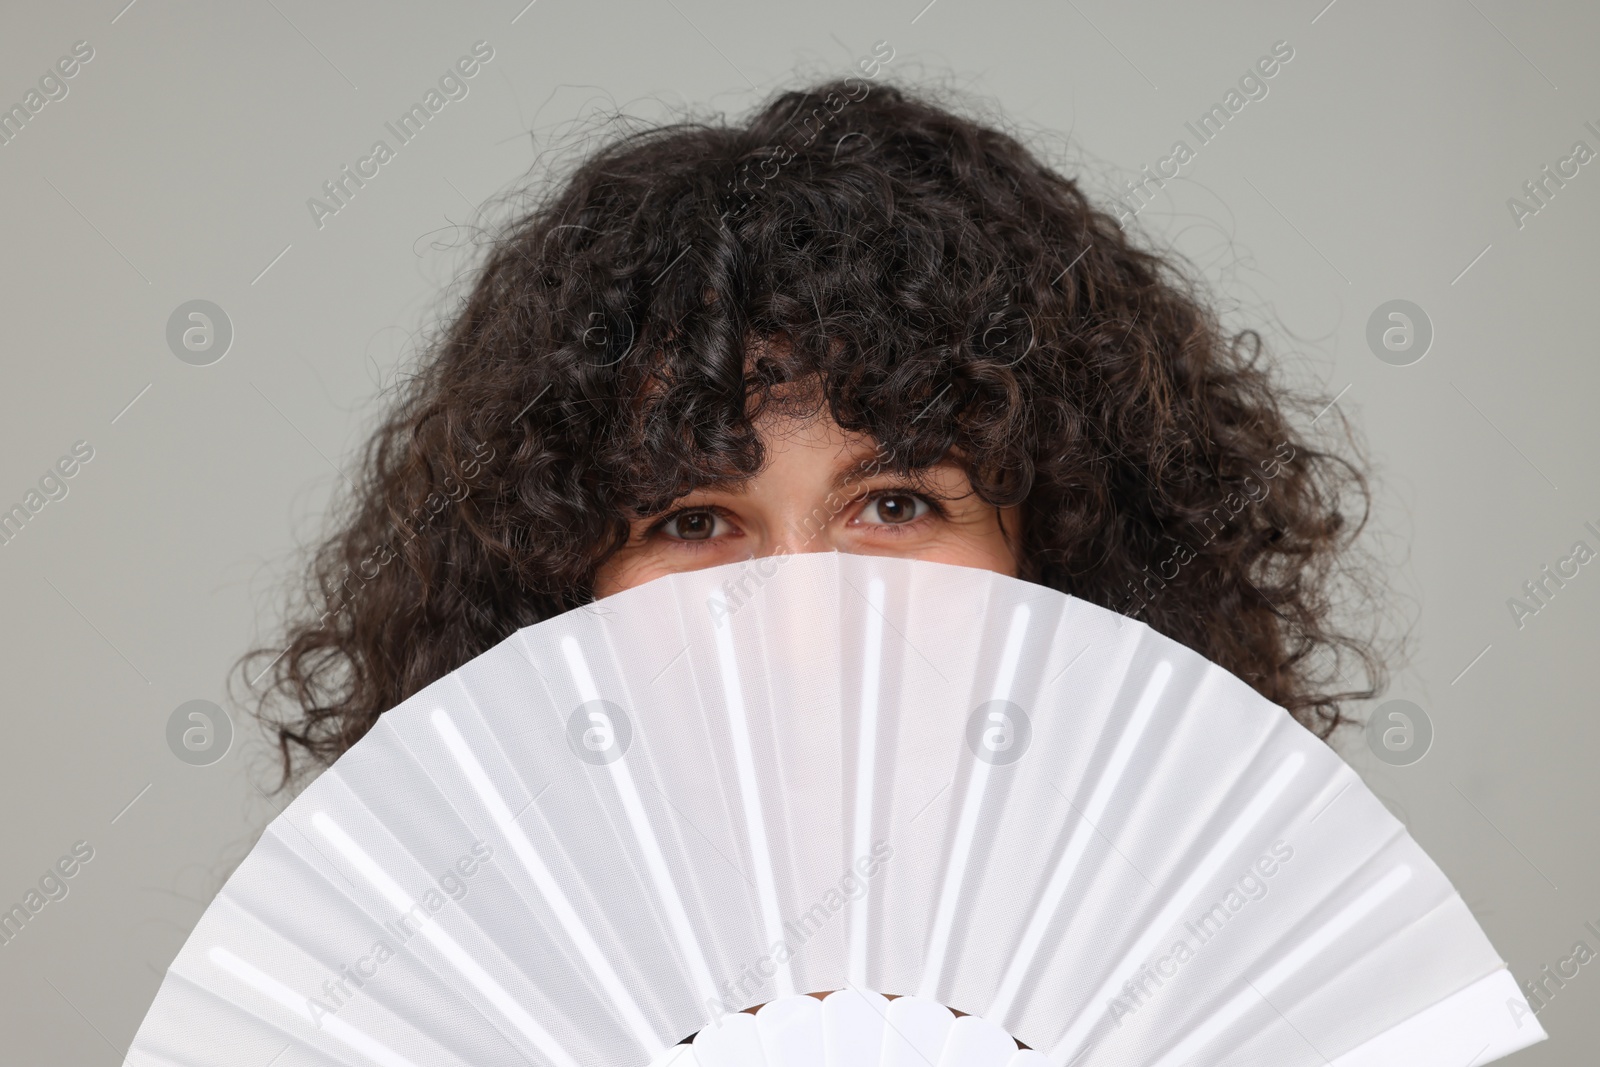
(694, 526)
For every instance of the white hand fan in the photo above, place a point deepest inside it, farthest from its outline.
(620, 827)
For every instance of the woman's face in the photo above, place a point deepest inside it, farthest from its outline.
(822, 490)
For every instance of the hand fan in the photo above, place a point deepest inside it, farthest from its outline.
(736, 786)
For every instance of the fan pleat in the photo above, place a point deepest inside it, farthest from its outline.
(737, 786)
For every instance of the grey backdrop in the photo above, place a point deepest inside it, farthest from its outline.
(178, 165)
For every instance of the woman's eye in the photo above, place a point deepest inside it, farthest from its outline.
(694, 526)
(894, 509)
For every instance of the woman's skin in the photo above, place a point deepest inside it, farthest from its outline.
(820, 490)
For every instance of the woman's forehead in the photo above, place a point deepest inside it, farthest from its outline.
(827, 457)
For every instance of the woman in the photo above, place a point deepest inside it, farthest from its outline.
(855, 322)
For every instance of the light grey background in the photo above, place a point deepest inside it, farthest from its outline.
(179, 165)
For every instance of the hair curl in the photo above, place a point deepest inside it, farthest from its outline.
(950, 293)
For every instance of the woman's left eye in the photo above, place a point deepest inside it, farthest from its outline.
(894, 509)
(694, 525)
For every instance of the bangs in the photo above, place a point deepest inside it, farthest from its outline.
(854, 277)
(684, 439)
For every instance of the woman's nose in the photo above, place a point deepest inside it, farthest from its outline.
(803, 531)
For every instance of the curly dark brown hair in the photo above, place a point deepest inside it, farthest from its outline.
(951, 294)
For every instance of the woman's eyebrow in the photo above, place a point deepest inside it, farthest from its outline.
(732, 486)
(867, 466)
(863, 468)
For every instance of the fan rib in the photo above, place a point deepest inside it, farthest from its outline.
(447, 945)
(755, 821)
(944, 919)
(1180, 901)
(866, 757)
(1107, 784)
(337, 1028)
(1461, 1019)
(1280, 972)
(565, 913)
(644, 833)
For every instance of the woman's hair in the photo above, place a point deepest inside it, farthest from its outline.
(941, 288)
